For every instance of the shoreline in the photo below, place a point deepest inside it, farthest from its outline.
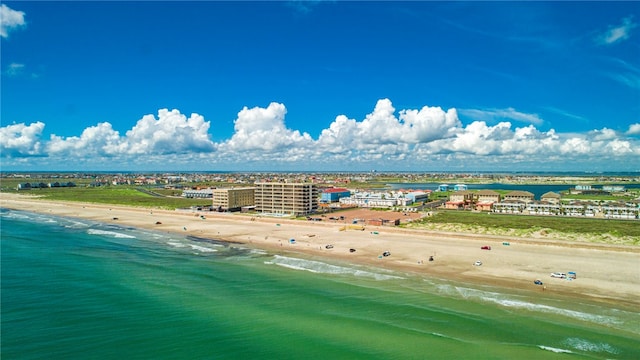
(605, 273)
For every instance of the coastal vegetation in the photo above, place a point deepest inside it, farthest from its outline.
(120, 195)
(625, 232)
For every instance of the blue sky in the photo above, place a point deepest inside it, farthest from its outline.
(315, 85)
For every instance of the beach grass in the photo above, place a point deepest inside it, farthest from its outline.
(527, 225)
(120, 195)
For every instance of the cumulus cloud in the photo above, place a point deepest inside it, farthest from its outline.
(99, 140)
(490, 115)
(172, 132)
(263, 129)
(9, 20)
(382, 127)
(634, 129)
(619, 33)
(21, 140)
(408, 139)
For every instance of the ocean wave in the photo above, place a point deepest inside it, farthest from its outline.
(586, 345)
(324, 268)
(202, 248)
(555, 350)
(110, 233)
(176, 244)
(510, 302)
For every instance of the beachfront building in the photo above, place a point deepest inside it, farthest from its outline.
(517, 195)
(197, 193)
(543, 208)
(613, 188)
(485, 199)
(620, 211)
(370, 200)
(383, 199)
(417, 196)
(286, 198)
(459, 200)
(334, 194)
(460, 187)
(233, 199)
(578, 209)
(509, 207)
(551, 197)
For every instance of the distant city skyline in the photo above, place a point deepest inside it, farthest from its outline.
(320, 86)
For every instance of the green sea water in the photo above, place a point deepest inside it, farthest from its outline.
(74, 289)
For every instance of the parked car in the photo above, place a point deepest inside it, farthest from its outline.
(477, 263)
(486, 247)
(537, 282)
(329, 246)
(558, 275)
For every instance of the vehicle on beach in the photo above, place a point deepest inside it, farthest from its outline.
(559, 275)
(386, 253)
(486, 247)
(329, 246)
(537, 282)
(477, 263)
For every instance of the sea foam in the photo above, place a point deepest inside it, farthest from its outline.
(586, 345)
(110, 233)
(202, 248)
(510, 302)
(324, 268)
(555, 350)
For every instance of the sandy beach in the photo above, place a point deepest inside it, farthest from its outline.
(607, 273)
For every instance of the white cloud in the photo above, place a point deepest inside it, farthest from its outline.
(383, 127)
(617, 33)
(99, 140)
(21, 140)
(490, 115)
(634, 129)
(409, 139)
(263, 129)
(171, 133)
(604, 134)
(9, 20)
(15, 69)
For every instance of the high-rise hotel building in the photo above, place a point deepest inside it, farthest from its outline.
(233, 199)
(286, 198)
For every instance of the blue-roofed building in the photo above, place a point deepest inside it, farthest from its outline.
(418, 196)
(334, 194)
(443, 187)
(460, 187)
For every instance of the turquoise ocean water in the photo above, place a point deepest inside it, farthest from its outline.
(75, 289)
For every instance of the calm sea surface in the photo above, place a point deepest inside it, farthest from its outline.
(74, 289)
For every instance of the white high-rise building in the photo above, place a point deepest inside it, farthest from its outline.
(286, 198)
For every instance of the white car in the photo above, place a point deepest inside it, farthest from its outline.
(477, 263)
(558, 275)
